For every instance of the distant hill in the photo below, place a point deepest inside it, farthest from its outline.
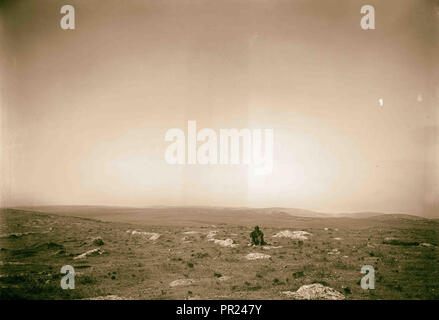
(202, 215)
(397, 216)
(314, 214)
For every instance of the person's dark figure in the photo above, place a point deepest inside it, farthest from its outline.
(257, 237)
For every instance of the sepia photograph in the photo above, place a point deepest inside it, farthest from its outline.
(191, 150)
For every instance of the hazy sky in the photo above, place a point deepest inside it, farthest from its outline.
(85, 111)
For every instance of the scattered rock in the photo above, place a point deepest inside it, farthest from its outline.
(98, 241)
(334, 251)
(211, 235)
(185, 240)
(150, 235)
(255, 256)
(271, 247)
(424, 244)
(191, 232)
(338, 239)
(315, 291)
(181, 282)
(92, 252)
(154, 236)
(299, 235)
(225, 243)
(224, 278)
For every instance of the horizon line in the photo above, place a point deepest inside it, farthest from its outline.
(214, 207)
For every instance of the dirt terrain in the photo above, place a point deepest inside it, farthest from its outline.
(199, 253)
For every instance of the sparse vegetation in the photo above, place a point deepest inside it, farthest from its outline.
(31, 255)
(98, 241)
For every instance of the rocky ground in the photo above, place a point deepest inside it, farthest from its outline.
(303, 258)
